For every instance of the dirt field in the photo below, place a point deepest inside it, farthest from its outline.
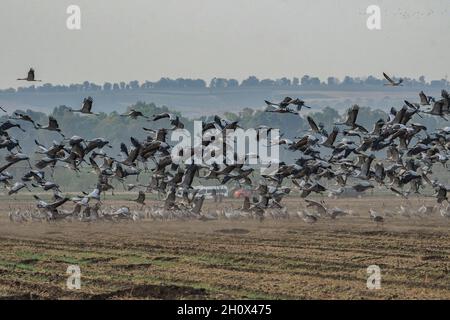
(281, 259)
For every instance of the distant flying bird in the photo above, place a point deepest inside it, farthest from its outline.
(1, 108)
(316, 128)
(86, 106)
(299, 103)
(10, 124)
(352, 114)
(283, 104)
(50, 207)
(174, 119)
(331, 138)
(16, 157)
(392, 82)
(415, 107)
(30, 76)
(134, 114)
(164, 115)
(16, 187)
(96, 143)
(52, 126)
(439, 109)
(24, 117)
(424, 99)
(282, 107)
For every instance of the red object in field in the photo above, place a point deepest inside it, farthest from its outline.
(241, 193)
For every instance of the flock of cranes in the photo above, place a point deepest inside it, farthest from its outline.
(349, 156)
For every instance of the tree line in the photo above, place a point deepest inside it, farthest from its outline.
(305, 81)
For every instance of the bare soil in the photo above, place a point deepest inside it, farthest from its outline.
(248, 259)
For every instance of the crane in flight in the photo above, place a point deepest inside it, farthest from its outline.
(30, 76)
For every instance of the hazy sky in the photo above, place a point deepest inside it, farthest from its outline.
(147, 39)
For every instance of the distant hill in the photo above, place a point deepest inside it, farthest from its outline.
(196, 102)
